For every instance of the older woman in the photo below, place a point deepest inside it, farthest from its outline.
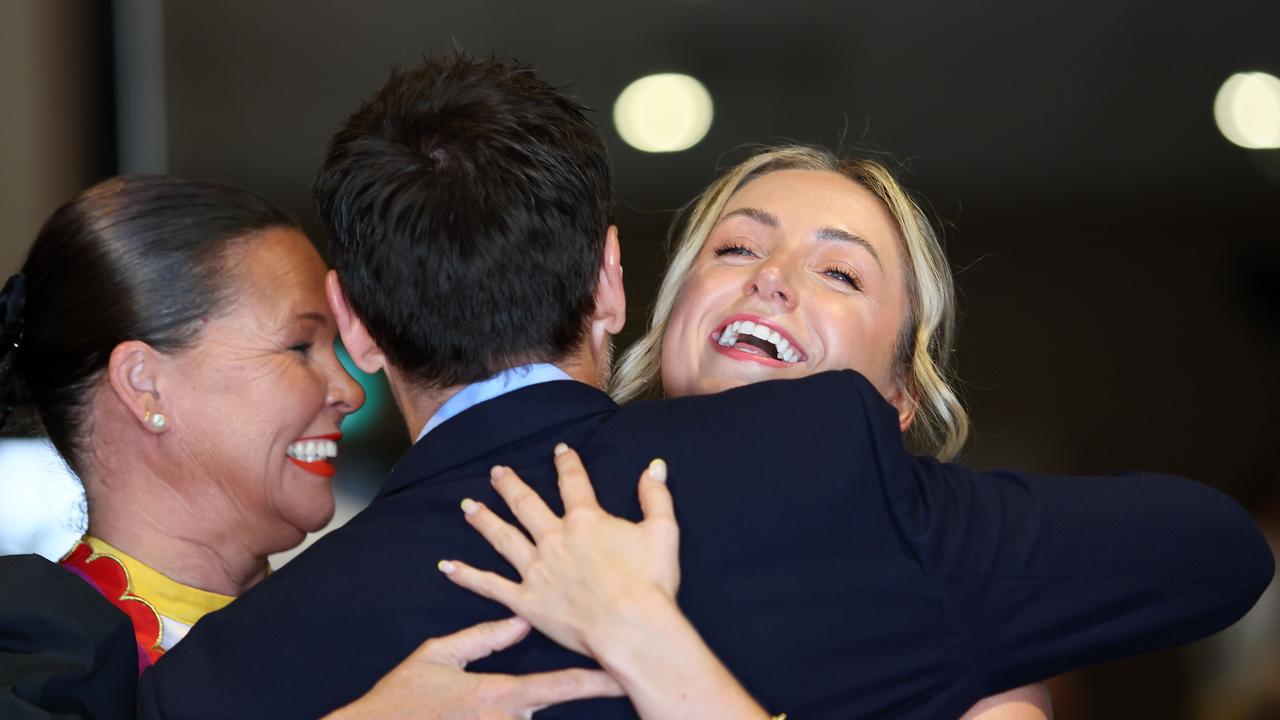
(174, 339)
(792, 263)
(178, 351)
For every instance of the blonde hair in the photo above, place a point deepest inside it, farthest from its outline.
(924, 345)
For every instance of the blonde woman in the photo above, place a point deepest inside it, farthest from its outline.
(792, 263)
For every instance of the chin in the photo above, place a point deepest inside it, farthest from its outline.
(315, 517)
(709, 386)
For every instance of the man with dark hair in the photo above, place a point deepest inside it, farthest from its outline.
(510, 183)
(469, 206)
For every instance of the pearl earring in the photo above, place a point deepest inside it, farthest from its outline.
(157, 421)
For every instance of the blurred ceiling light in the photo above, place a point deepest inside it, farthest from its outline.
(663, 113)
(1247, 110)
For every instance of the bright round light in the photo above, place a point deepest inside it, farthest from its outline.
(1247, 110)
(663, 113)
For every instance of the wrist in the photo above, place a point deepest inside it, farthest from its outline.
(666, 668)
(645, 620)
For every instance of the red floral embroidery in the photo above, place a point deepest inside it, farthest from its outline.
(109, 576)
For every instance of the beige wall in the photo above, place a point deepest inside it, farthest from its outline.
(49, 118)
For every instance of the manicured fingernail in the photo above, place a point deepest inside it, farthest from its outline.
(469, 506)
(496, 471)
(561, 448)
(446, 567)
(658, 470)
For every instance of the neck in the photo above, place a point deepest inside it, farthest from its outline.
(141, 502)
(214, 567)
(169, 534)
(417, 405)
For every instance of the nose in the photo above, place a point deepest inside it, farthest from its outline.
(771, 283)
(345, 394)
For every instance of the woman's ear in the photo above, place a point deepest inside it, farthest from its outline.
(362, 348)
(133, 372)
(905, 403)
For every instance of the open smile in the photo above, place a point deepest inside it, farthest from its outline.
(750, 337)
(315, 453)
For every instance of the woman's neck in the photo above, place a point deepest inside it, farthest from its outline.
(214, 567)
(145, 515)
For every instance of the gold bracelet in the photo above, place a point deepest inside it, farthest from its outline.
(783, 716)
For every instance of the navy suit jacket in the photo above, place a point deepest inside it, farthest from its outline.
(834, 573)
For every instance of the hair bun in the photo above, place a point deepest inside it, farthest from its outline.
(12, 301)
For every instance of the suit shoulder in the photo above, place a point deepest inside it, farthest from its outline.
(831, 396)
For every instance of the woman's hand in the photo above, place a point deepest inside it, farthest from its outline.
(1030, 702)
(432, 683)
(585, 573)
(606, 587)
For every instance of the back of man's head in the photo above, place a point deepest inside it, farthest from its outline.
(467, 202)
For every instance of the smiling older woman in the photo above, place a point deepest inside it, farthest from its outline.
(177, 349)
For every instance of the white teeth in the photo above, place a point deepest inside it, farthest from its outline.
(312, 450)
(782, 347)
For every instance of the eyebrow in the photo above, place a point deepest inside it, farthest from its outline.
(760, 216)
(830, 233)
(827, 233)
(311, 315)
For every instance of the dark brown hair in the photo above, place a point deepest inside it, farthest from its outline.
(467, 203)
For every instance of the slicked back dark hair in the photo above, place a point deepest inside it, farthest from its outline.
(142, 257)
(467, 202)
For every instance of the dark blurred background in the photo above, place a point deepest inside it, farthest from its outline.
(1117, 257)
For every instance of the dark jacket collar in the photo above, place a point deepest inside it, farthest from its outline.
(479, 430)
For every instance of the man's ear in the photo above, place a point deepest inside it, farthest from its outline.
(134, 374)
(364, 352)
(610, 297)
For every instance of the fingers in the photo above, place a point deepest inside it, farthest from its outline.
(575, 485)
(483, 583)
(655, 496)
(532, 692)
(474, 642)
(525, 504)
(504, 537)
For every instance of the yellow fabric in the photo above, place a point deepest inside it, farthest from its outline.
(170, 598)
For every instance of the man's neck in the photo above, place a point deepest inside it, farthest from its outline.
(418, 406)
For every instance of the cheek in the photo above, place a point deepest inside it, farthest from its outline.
(855, 342)
(670, 363)
(291, 400)
(682, 339)
(703, 295)
(310, 394)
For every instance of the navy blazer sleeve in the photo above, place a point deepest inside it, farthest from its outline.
(65, 652)
(1052, 573)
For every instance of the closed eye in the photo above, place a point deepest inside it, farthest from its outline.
(303, 348)
(734, 249)
(844, 277)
